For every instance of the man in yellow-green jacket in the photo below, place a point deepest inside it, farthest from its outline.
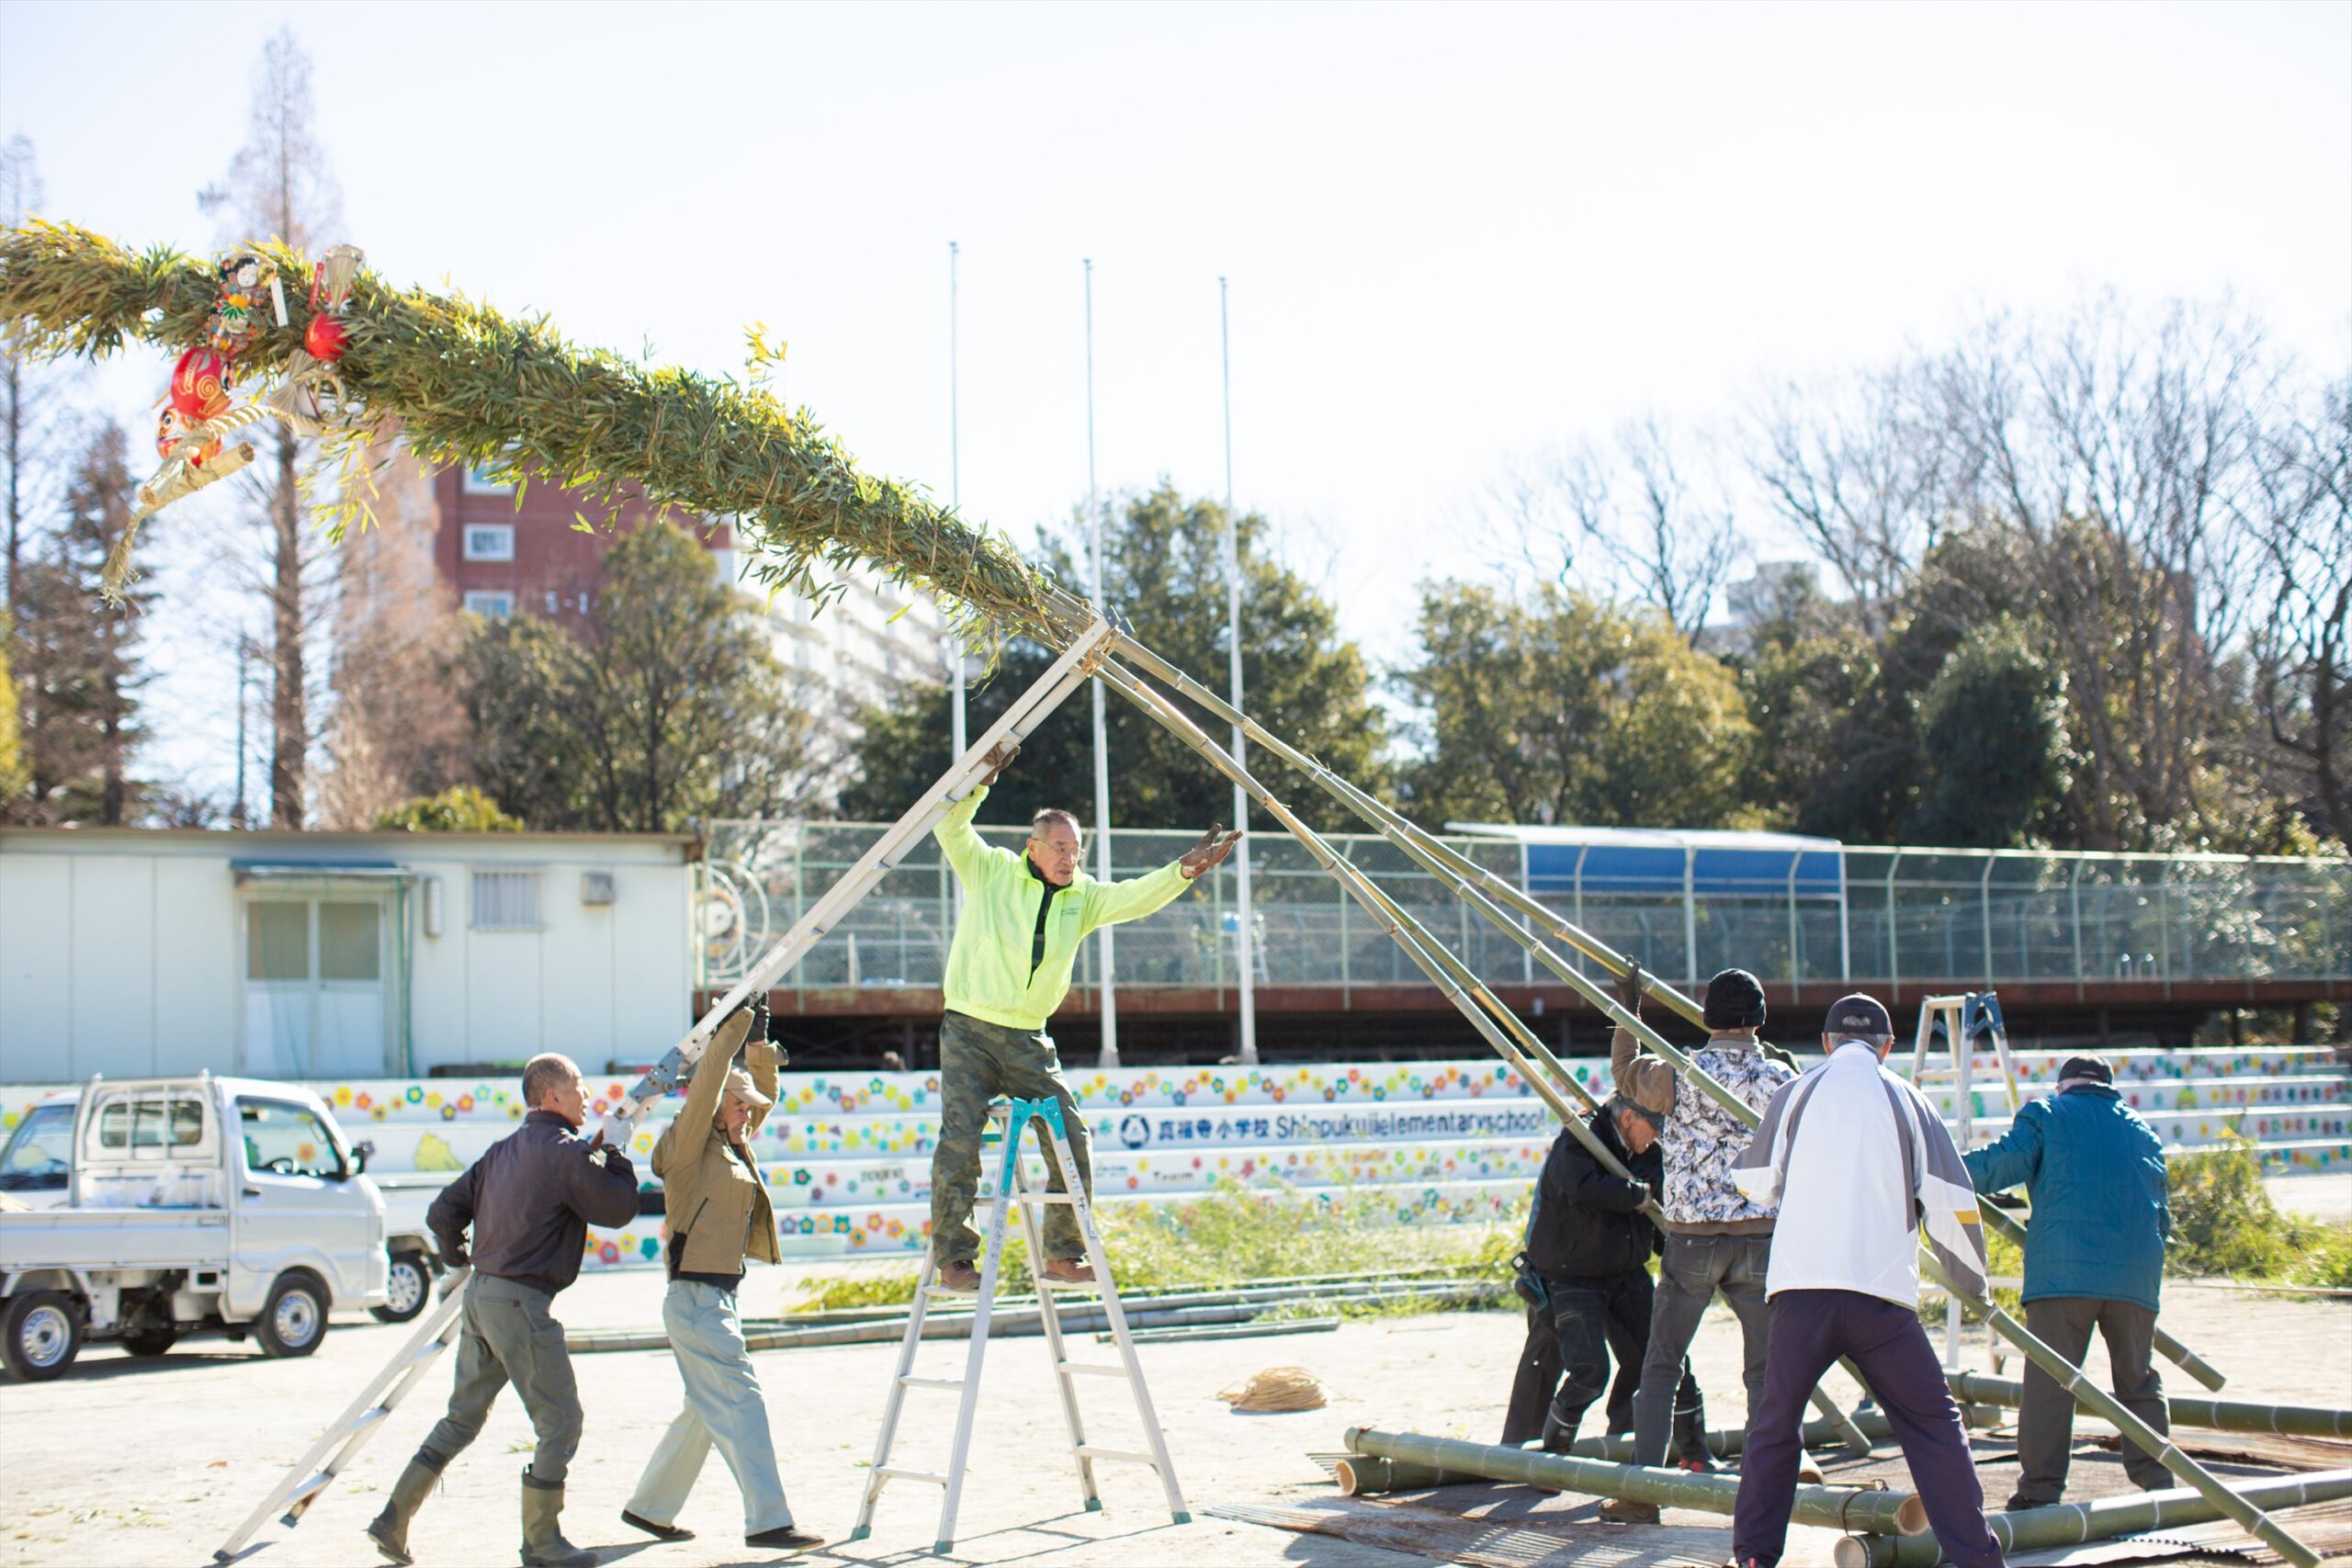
(1008, 970)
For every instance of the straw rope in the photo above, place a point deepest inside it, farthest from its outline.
(1276, 1389)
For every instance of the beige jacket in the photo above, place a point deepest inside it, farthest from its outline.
(715, 1197)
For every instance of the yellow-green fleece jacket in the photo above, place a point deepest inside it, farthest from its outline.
(988, 976)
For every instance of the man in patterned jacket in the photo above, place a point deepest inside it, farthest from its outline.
(1717, 1239)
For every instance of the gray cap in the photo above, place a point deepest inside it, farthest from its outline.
(1858, 1016)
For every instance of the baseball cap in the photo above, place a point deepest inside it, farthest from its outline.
(1857, 1015)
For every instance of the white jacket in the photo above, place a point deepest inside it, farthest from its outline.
(1855, 1157)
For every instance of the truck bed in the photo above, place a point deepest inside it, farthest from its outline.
(114, 1239)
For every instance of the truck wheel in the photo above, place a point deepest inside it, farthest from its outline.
(43, 1331)
(150, 1341)
(294, 1319)
(407, 1289)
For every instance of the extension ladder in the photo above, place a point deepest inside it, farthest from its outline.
(342, 1441)
(1013, 1191)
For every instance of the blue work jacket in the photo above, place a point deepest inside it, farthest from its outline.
(2095, 1174)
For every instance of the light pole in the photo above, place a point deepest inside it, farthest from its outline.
(1109, 992)
(1244, 945)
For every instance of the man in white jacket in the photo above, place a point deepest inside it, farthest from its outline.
(1859, 1163)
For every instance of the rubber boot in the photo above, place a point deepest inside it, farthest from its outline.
(389, 1529)
(543, 1544)
(1690, 1436)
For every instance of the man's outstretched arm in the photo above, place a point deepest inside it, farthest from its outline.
(1112, 902)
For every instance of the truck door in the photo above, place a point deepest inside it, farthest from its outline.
(295, 1196)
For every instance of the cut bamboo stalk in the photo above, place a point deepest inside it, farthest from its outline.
(1492, 896)
(1869, 1510)
(2209, 1415)
(2069, 1524)
(1503, 1030)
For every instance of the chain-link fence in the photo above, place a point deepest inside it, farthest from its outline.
(1893, 915)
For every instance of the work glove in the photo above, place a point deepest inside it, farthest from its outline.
(1629, 989)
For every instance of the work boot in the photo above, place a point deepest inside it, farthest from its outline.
(1690, 1439)
(1070, 1271)
(1625, 1511)
(388, 1530)
(959, 1276)
(543, 1544)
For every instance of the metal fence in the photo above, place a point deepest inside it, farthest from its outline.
(1899, 914)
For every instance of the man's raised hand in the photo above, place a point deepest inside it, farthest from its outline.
(1629, 989)
(1000, 757)
(1210, 850)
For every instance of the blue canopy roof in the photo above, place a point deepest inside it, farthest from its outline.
(1646, 859)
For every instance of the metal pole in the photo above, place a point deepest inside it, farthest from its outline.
(1107, 985)
(959, 719)
(244, 647)
(1244, 935)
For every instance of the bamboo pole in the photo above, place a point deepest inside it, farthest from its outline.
(2209, 1415)
(1867, 1509)
(1400, 926)
(2069, 1524)
(1492, 896)
(1374, 1475)
(1503, 1030)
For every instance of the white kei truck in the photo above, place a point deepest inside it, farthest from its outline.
(192, 1205)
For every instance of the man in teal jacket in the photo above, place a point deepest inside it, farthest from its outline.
(2094, 1258)
(1007, 971)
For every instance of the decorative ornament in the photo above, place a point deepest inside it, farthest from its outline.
(326, 337)
(235, 315)
(331, 279)
(200, 384)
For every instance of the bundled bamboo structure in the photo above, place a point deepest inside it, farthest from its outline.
(467, 385)
(2210, 1415)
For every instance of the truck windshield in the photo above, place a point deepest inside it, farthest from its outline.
(285, 1139)
(41, 1151)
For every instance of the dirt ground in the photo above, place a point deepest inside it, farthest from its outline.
(126, 1462)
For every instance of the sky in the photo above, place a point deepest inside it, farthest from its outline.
(1453, 234)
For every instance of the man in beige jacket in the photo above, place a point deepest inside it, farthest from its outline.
(719, 1219)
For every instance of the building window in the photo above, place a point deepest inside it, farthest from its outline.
(480, 481)
(489, 541)
(492, 606)
(506, 901)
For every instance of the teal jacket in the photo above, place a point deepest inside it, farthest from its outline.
(989, 972)
(2095, 1174)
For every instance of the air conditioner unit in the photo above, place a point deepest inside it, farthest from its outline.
(595, 887)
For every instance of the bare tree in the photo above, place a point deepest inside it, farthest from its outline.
(1638, 518)
(38, 427)
(399, 726)
(2121, 447)
(2301, 523)
(279, 185)
(1867, 470)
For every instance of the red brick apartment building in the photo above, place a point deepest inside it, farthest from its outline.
(502, 556)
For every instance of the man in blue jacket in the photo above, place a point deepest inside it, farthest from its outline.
(2094, 1258)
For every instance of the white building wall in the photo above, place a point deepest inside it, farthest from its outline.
(123, 951)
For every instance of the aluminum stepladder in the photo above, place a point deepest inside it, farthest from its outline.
(1964, 1018)
(1013, 1191)
(438, 1329)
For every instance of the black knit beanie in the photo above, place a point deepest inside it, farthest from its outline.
(1735, 1000)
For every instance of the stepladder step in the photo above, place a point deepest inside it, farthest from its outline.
(1124, 1455)
(929, 1477)
(948, 1385)
(1091, 1370)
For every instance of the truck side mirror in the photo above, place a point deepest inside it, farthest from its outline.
(360, 1151)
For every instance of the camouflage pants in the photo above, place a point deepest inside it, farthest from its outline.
(978, 1061)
